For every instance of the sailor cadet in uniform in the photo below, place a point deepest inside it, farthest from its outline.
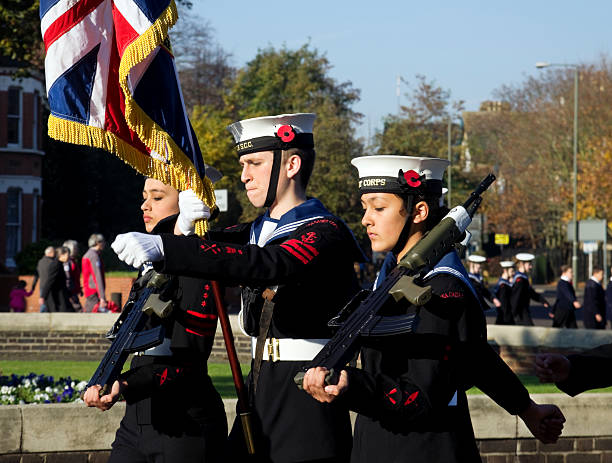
(295, 263)
(503, 291)
(173, 411)
(477, 280)
(410, 392)
(522, 292)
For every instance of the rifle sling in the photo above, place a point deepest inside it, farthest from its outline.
(264, 326)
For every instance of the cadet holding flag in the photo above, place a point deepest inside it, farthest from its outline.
(295, 263)
(173, 411)
(410, 392)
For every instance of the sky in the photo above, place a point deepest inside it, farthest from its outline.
(470, 47)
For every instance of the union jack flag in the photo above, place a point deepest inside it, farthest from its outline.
(112, 84)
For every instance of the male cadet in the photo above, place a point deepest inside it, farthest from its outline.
(594, 314)
(566, 304)
(295, 263)
(475, 265)
(522, 291)
(503, 291)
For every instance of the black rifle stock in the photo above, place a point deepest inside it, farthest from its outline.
(128, 335)
(360, 317)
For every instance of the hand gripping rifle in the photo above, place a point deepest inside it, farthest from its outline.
(360, 316)
(127, 333)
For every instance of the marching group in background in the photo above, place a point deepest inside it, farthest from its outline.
(512, 293)
(295, 265)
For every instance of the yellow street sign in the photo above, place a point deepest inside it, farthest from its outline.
(502, 238)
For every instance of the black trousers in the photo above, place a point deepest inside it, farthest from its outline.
(143, 443)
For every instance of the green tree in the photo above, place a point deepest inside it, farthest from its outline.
(421, 129)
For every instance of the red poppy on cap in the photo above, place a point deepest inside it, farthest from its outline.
(412, 178)
(286, 133)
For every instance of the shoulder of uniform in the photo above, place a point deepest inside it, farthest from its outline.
(238, 228)
(447, 285)
(323, 222)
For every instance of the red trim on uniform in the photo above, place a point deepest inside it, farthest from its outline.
(294, 253)
(194, 332)
(388, 395)
(310, 248)
(202, 315)
(299, 246)
(163, 377)
(411, 398)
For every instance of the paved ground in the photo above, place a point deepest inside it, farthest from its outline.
(539, 314)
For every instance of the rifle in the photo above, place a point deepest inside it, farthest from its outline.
(127, 335)
(360, 316)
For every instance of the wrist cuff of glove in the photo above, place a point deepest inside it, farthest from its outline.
(186, 226)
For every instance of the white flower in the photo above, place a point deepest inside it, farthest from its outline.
(81, 386)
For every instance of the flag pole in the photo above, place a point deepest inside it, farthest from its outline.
(243, 403)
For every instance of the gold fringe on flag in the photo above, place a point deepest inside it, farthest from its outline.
(179, 171)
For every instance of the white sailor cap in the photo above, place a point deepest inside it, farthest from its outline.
(506, 263)
(524, 256)
(271, 133)
(400, 174)
(476, 258)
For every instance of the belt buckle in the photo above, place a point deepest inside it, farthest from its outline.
(273, 350)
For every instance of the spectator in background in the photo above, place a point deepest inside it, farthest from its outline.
(595, 301)
(63, 254)
(74, 285)
(17, 302)
(93, 274)
(53, 292)
(563, 311)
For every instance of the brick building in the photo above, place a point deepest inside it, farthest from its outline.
(21, 154)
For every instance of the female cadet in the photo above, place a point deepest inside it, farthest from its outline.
(173, 411)
(410, 392)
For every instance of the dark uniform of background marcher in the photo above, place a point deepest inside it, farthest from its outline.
(522, 292)
(577, 373)
(594, 307)
(503, 292)
(564, 308)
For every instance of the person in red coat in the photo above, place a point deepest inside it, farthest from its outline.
(94, 285)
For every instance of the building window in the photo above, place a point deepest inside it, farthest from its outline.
(14, 116)
(35, 121)
(35, 196)
(13, 225)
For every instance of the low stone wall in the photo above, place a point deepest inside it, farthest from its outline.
(81, 434)
(70, 336)
(80, 336)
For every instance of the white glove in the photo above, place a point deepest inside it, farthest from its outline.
(191, 209)
(137, 248)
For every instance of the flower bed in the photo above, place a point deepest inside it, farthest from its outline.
(39, 389)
